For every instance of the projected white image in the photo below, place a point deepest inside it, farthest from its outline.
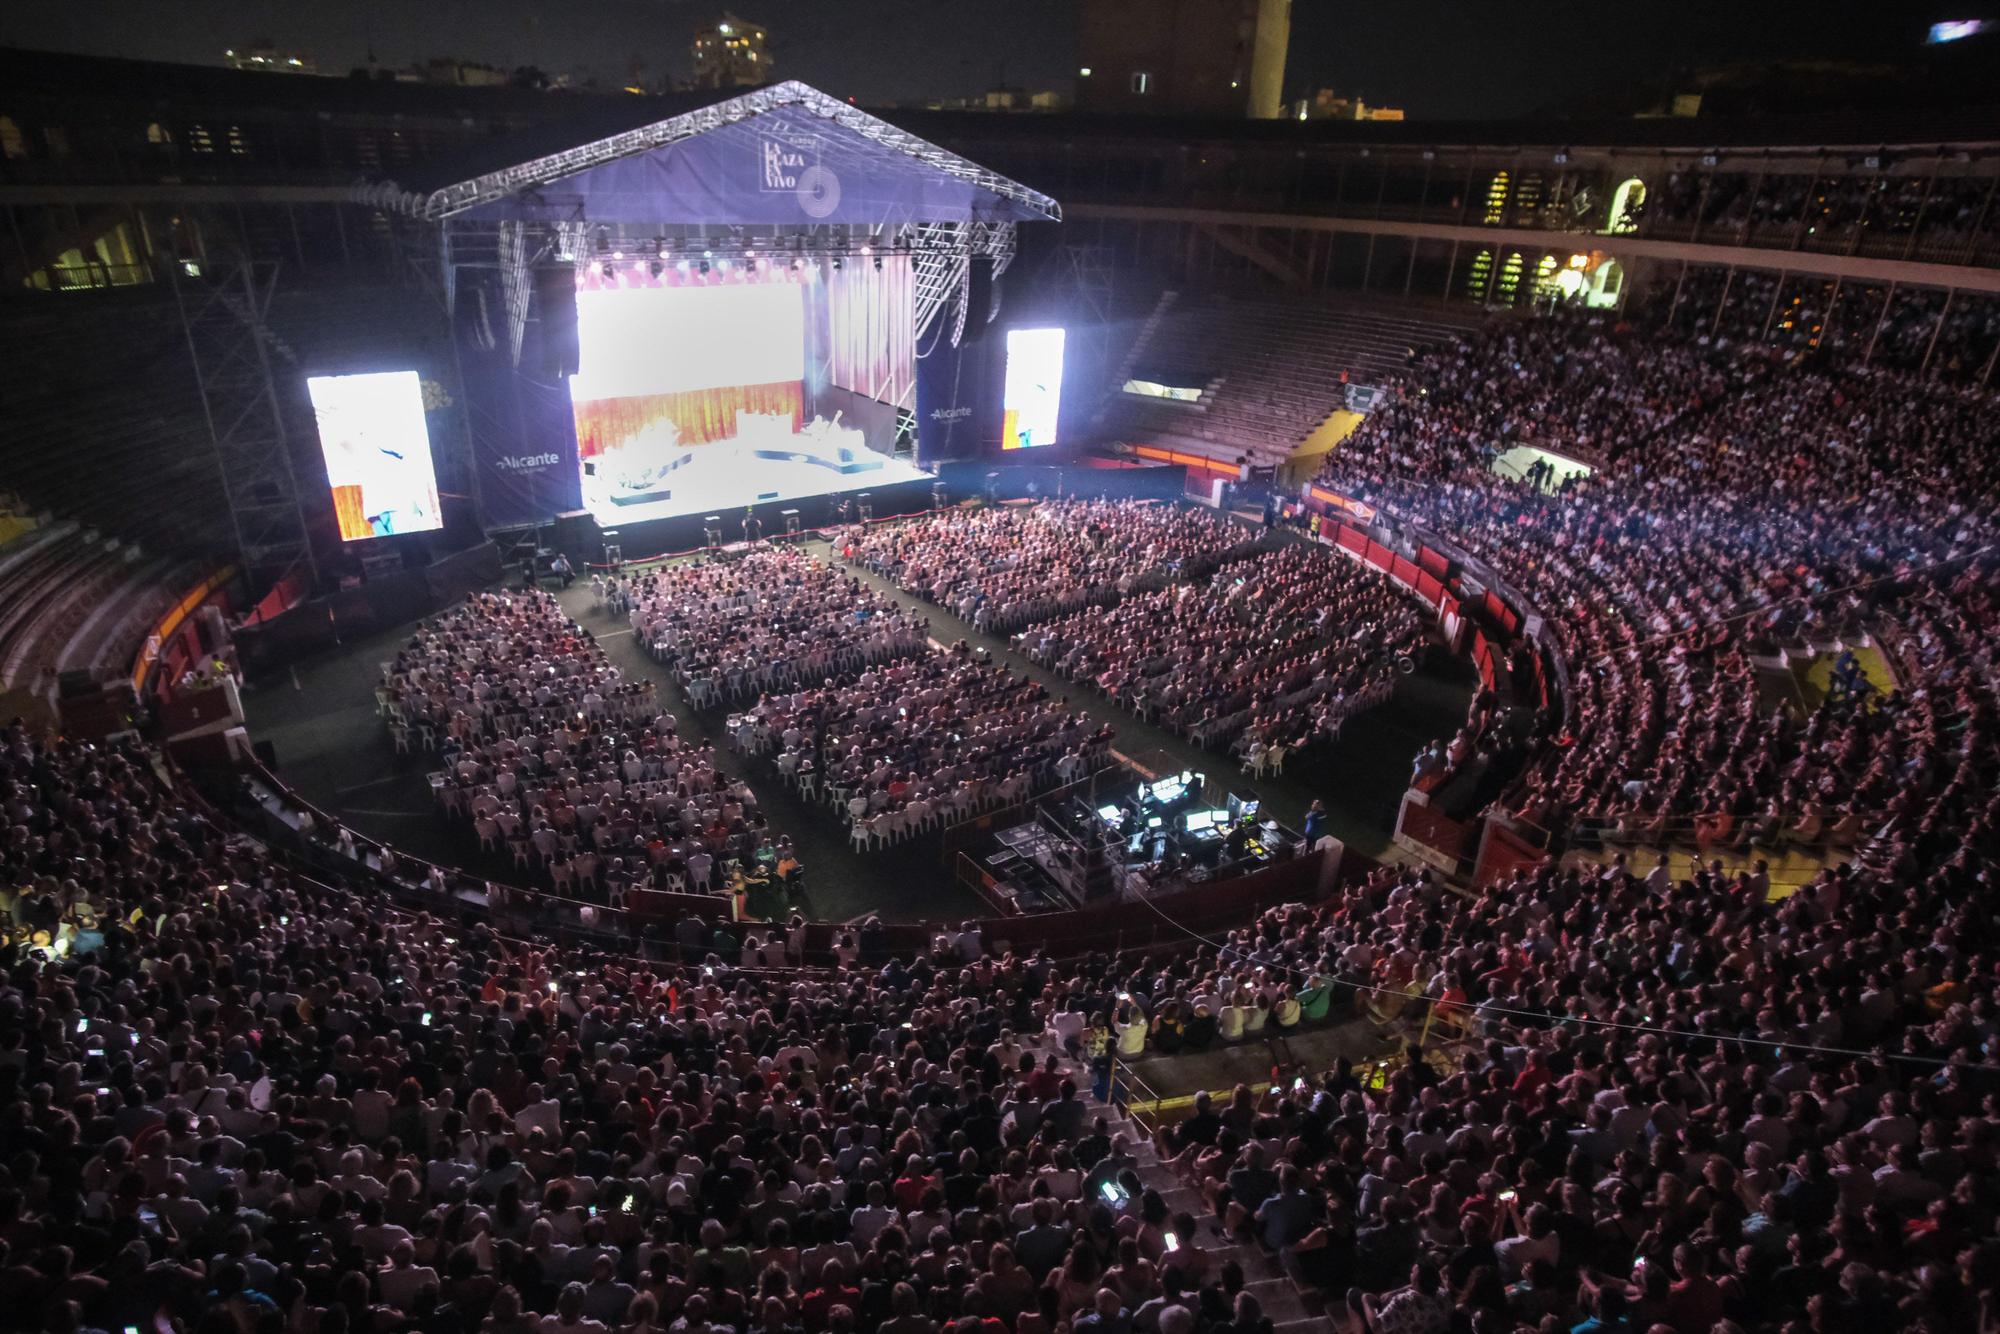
(691, 398)
(1032, 394)
(378, 453)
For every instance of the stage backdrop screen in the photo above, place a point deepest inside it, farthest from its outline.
(1031, 396)
(694, 397)
(378, 453)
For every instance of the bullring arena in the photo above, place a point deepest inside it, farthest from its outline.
(1456, 792)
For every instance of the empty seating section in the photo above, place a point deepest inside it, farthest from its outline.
(74, 600)
(103, 421)
(1274, 368)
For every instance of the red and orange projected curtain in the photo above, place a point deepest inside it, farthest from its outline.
(871, 327)
(701, 414)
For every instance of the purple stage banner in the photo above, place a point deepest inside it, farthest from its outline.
(958, 401)
(785, 166)
(524, 466)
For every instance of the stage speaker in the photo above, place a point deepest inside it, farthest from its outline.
(576, 536)
(555, 305)
(979, 298)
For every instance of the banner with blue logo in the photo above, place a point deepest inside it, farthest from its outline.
(958, 401)
(524, 465)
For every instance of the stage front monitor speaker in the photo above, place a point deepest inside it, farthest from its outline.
(555, 303)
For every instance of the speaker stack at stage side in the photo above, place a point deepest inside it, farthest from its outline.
(577, 536)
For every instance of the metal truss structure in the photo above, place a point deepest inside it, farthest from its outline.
(443, 203)
(940, 256)
(225, 317)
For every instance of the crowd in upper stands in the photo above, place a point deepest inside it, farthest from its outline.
(240, 1099)
(1745, 505)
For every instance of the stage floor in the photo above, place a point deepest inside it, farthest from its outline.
(726, 475)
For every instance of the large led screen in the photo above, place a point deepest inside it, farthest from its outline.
(695, 397)
(1031, 397)
(378, 453)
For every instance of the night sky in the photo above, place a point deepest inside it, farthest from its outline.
(1436, 58)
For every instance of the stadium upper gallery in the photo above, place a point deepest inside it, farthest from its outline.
(1169, 703)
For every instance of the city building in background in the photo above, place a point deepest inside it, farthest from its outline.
(462, 73)
(263, 54)
(1329, 105)
(1183, 57)
(1000, 99)
(731, 53)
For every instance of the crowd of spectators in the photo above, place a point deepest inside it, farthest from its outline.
(766, 620)
(928, 740)
(240, 1099)
(1274, 652)
(1004, 567)
(549, 755)
(1803, 506)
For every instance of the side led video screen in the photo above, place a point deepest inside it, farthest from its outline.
(378, 453)
(1032, 397)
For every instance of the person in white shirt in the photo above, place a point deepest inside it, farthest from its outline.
(372, 1107)
(539, 1112)
(867, 1222)
(404, 1278)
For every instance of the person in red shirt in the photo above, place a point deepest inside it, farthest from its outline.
(910, 1187)
(816, 1310)
(1534, 1077)
(1694, 1303)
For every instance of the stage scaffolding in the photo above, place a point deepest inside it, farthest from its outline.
(474, 229)
(225, 315)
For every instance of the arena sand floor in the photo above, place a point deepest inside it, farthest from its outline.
(335, 752)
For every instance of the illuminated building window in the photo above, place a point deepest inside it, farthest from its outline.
(1627, 202)
(198, 139)
(1479, 278)
(13, 144)
(1528, 196)
(1496, 197)
(1545, 279)
(1142, 83)
(156, 133)
(1510, 279)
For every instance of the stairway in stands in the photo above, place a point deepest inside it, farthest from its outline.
(1282, 364)
(1293, 1308)
(73, 599)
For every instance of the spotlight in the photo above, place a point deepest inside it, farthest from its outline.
(708, 254)
(868, 250)
(749, 254)
(660, 247)
(617, 254)
(836, 263)
(878, 263)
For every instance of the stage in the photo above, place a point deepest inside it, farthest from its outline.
(772, 467)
